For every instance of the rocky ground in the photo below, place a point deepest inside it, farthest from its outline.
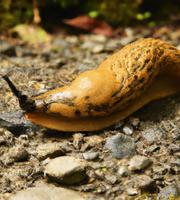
(138, 158)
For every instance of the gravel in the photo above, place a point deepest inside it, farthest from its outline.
(26, 151)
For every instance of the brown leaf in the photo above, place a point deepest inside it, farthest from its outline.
(91, 25)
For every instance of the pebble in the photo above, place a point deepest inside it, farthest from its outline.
(111, 179)
(128, 130)
(152, 134)
(152, 148)
(132, 191)
(174, 148)
(123, 171)
(2, 140)
(169, 192)
(93, 140)
(139, 163)
(98, 48)
(78, 139)
(143, 181)
(90, 155)
(72, 39)
(66, 169)
(126, 40)
(47, 192)
(98, 38)
(49, 150)
(7, 49)
(134, 121)
(121, 146)
(18, 154)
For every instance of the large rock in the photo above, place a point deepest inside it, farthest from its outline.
(66, 169)
(47, 192)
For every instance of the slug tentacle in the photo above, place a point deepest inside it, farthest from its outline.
(143, 71)
(26, 104)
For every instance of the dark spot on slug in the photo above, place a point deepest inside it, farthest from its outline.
(78, 113)
(66, 101)
(146, 61)
(142, 80)
(149, 69)
(135, 77)
(87, 97)
(177, 55)
(98, 108)
(172, 48)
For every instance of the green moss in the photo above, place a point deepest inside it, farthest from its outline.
(14, 12)
(116, 11)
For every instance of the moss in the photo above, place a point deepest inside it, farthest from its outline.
(116, 11)
(14, 12)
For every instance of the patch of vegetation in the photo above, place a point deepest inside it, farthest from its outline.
(14, 12)
(116, 12)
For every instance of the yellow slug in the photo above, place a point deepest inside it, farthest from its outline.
(137, 74)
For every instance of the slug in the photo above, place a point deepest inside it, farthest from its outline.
(140, 72)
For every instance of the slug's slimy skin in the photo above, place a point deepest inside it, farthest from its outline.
(140, 72)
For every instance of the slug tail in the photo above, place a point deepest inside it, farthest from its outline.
(25, 103)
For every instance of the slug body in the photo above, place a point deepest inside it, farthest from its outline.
(142, 71)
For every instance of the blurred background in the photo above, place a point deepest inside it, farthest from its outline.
(86, 14)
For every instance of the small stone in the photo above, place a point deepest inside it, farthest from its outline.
(90, 155)
(174, 148)
(72, 39)
(135, 121)
(139, 163)
(123, 171)
(98, 48)
(126, 40)
(7, 49)
(129, 32)
(160, 169)
(18, 154)
(152, 148)
(78, 140)
(49, 150)
(2, 140)
(128, 130)
(112, 179)
(98, 38)
(143, 181)
(152, 134)
(169, 192)
(121, 145)
(66, 169)
(47, 192)
(93, 140)
(132, 191)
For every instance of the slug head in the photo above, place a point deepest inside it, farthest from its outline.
(25, 103)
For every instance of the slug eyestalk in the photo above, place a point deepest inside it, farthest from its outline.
(25, 103)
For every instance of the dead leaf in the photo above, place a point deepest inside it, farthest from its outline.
(91, 25)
